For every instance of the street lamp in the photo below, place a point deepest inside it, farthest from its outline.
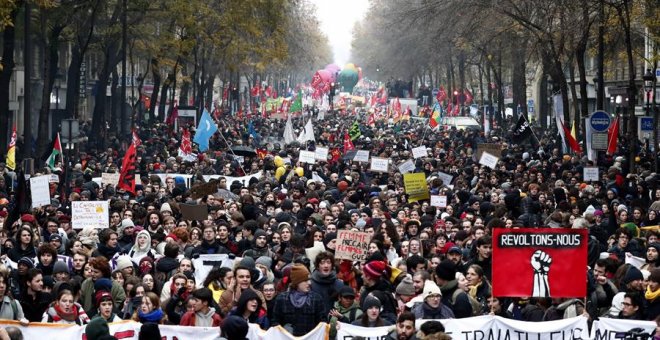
(648, 87)
(331, 96)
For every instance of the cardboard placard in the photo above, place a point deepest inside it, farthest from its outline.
(446, 178)
(321, 153)
(39, 188)
(379, 164)
(194, 212)
(205, 189)
(110, 178)
(591, 174)
(416, 187)
(488, 160)
(407, 166)
(419, 152)
(361, 156)
(491, 148)
(54, 178)
(307, 157)
(352, 245)
(439, 201)
(90, 213)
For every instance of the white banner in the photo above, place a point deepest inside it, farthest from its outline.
(606, 328)
(110, 178)
(307, 157)
(439, 201)
(245, 180)
(205, 262)
(90, 213)
(446, 178)
(39, 188)
(419, 152)
(590, 173)
(279, 333)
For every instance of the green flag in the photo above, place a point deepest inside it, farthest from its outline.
(296, 106)
(354, 131)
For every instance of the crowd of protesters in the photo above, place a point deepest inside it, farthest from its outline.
(424, 262)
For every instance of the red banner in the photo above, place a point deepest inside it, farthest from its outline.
(541, 262)
(127, 175)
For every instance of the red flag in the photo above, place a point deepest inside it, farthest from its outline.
(261, 153)
(396, 109)
(468, 96)
(612, 137)
(256, 90)
(267, 93)
(348, 144)
(336, 154)
(127, 175)
(457, 110)
(383, 96)
(372, 101)
(450, 108)
(575, 146)
(542, 262)
(173, 116)
(371, 121)
(186, 146)
(225, 94)
(136, 139)
(442, 94)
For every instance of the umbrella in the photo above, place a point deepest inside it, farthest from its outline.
(245, 151)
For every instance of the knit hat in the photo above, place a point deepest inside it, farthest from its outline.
(127, 222)
(632, 274)
(406, 287)
(299, 273)
(430, 289)
(234, 328)
(265, 261)
(375, 269)
(60, 267)
(97, 328)
(247, 262)
(123, 262)
(26, 261)
(103, 284)
(446, 270)
(55, 237)
(165, 207)
(102, 295)
(328, 238)
(454, 250)
(371, 301)
(346, 291)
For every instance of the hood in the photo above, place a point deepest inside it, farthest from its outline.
(147, 247)
(247, 295)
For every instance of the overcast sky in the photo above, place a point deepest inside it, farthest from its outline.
(337, 18)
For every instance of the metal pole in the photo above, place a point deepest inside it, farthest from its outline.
(123, 70)
(27, 95)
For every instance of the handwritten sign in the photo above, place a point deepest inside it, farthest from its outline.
(407, 166)
(439, 201)
(591, 173)
(361, 156)
(491, 148)
(54, 178)
(110, 179)
(416, 188)
(352, 245)
(39, 190)
(446, 178)
(321, 153)
(419, 152)
(379, 164)
(307, 157)
(488, 160)
(89, 213)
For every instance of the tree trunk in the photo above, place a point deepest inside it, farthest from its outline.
(576, 106)
(51, 58)
(624, 19)
(99, 119)
(73, 83)
(155, 74)
(518, 82)
(8, 64)
(115, 109)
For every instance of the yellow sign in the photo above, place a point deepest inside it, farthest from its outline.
(416, 188)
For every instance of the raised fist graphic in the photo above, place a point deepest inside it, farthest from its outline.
(541, 262)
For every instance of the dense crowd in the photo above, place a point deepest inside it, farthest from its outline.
(424, 262)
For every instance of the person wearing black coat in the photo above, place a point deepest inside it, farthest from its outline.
(24, 245)
(299, 310)
(209, 244)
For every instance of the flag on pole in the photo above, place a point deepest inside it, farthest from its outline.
(205, 130)
(558, 107)
(355, 131)
(572, 142)
(442, 94)
(297, 106)
(136, 139)
(521, 130)
(348, 144)
(307, 134)
(57, 151)
(127, 174)
(289, 137)
(371, 121)
(612, 137)
(185, 149)
(434, 121)
(11, 152)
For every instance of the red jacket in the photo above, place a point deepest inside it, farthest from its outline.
(188, 319)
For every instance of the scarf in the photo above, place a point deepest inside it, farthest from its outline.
(298, 299)
(154, 316)
(474, 289)
(71, 316)
(651, 295)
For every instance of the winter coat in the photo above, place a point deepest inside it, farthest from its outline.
(327, 286)
(87, 296)
(197, 319)
(10, 309)
(459, 304)
(298, 320)
(51, 316)
(425, 311)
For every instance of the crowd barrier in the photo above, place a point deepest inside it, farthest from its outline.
(475, 328)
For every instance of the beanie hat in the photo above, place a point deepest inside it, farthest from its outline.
(123, 262)
(97, 328)
(446, 270)
(102, 295)
(26, 261)
(165, 207)
(265, 261)
(371, 301)
(103, 284)
(299, 273)
(632, 274)
(406, 287)
(328, 238)
(235, 328)
(375, 269)
(60, 267)
(247, 262)
(430, 288)
(127, 222)
(259, 232)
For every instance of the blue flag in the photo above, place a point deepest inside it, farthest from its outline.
(252, 132)
(205, 130)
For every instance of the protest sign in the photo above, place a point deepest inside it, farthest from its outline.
(543, 262)
(416, 188)
(361, 156)
(439, 201)
(54, 178)
(205, 262)
(244, 180)
(352, 245)
(90, 214)
(488, 160)
(321, 153)
(446, 178)
(110, 179)
(407, 166)
(590, 173)
(379, 164)
(606, 328)
(419, 152)
(194, 212)
(39, 189)
(493, 149)
(307, 157)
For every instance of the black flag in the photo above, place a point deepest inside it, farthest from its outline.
(521, 131)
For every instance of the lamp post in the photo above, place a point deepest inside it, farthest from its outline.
(648, 87)
(331, 96)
